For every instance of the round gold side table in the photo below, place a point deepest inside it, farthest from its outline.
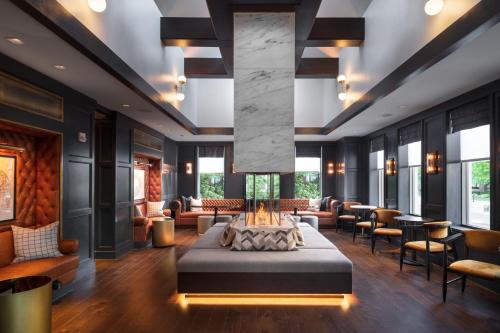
(163, 231)
(26, 305)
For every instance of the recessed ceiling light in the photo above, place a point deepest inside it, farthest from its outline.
(14, 40)
(403, 107)
(386, 115)
(60, 67)
(126, 105)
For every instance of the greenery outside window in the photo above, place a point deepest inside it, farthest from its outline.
(211, 177)
(308, 177)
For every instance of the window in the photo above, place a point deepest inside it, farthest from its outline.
(139, 184)
(380, 170)
(475, 162)
(308, 177)
(415, 172)
(211, 177)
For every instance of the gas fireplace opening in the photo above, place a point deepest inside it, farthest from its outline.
(262, 199)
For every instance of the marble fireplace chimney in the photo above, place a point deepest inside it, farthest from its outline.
(264, 73)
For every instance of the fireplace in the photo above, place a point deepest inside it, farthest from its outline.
(262, 199)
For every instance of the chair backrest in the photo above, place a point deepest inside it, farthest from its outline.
(384, 215)
(347, 205)
(438, 229)
(483, 240)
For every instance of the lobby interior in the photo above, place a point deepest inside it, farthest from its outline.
(249, 166)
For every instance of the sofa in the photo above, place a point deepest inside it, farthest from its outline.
(183, 217)
(326, 218)
(62, 269)
(143, 224)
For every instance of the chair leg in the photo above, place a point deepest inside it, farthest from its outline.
(354, 232)
(402, 254)
(337, 226)
(464, 281)
(428, 265)
(374, 239)
(445, 283)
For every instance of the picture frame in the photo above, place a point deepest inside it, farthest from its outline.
(7, 188)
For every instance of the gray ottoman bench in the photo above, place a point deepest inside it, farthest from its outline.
(311, 220)
(205, 222)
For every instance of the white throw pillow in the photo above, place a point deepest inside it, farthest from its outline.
(31, 244)
(315, 203)
(155, 208)
(196, 205)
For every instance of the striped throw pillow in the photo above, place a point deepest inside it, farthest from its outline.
(31, 244)
(155, 208)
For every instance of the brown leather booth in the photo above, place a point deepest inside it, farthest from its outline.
(62, 269)
(326, 218)
(143, 225)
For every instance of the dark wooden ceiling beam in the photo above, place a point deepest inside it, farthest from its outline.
(338, 31)
(318, 68)
(213, 68)
(205, 68)
(305, 14)
(188, 31)
(222, 21)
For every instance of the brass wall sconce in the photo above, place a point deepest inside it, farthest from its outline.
(232, 168)
(433, 163)
(330, 168)
(342, 87)
(390, 167)
(180, 88)
(189, 168)
(341, 168)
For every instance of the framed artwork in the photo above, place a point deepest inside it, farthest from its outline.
(139, 184)
(7, 188)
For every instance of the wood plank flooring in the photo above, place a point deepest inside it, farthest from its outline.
(137, 294)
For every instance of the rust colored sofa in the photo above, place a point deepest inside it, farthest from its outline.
(62, 269)
(191, 218)
(326, 218)
(143, 224)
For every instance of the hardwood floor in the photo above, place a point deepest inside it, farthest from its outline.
(137, 294)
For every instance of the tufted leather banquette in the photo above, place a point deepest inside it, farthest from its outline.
(62, 268)
(326, 218)
(225, 207)
(143, 225)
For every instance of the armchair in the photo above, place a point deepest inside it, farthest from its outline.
(484, 241)
(345, 214)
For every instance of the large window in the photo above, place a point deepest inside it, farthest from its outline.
(380, 170)
(415, 174)
(211, 177)
(308, 177)
(475, 161)
(377, 185)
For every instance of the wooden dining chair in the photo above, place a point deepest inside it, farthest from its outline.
(482, 241)
(384, 224)
(345, 213)
(435, 233)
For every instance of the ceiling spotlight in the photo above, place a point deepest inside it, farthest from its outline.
(433, 7)
(60, 67)
(14, 40)
(126, 105)
(386, 115)
(97, 6)
(402, 107)
(342, 87)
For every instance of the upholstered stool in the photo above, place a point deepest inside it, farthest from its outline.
(205, 222)
(311, 220)
(296, 218)
(224, 218)
(163, 231)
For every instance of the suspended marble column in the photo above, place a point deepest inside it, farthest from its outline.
(264, 72)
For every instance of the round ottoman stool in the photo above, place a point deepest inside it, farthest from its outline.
(163, 231)
(311, 220)
(224, 218)
(205, 222)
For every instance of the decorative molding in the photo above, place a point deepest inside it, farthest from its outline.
(147, 140)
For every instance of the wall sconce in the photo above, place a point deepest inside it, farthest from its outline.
(342, 87)
(232, 168)
(97, 6)
(341, 168)
(189, 168)
(330, 168)
(180, 88)
(433, 163)
(390, 167)
(433, 7)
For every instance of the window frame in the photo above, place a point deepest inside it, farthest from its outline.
(320, 177)
(198, 177)
(465, 209)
